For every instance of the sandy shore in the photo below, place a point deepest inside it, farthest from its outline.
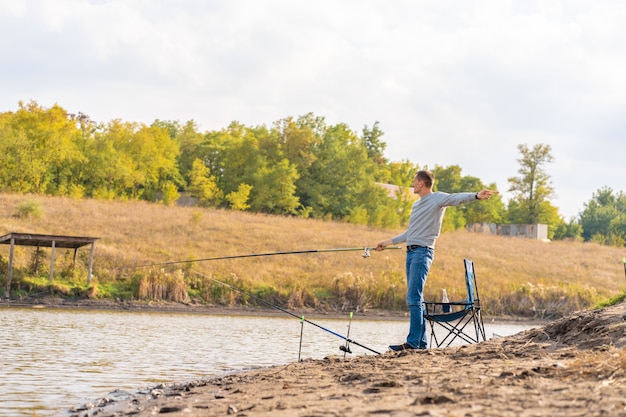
(575, 366)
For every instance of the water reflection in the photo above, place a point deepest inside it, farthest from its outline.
(55, 359)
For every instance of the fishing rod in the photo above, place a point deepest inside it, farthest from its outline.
(366, 254)
(287, 312)
(346, 348)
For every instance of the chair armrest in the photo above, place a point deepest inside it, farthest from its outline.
(432, 307)
(452, 303)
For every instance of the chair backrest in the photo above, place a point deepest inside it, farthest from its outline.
(470, 282)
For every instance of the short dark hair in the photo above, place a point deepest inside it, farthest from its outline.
(426, 176)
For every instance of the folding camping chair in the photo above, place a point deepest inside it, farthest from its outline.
(458, 316)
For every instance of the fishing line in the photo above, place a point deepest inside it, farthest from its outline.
(286, 311)
(366, 254)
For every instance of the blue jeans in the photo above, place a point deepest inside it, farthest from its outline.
(418, 262)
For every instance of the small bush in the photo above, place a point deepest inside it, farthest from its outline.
(29, 210)
(170, 193)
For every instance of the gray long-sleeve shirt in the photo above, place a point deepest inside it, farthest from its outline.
(426, 217)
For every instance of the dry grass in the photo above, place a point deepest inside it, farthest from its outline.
(515, 276)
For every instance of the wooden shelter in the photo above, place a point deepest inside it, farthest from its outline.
(49, 241)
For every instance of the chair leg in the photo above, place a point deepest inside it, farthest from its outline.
(457, 330)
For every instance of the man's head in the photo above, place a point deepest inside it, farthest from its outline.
(427, 177)
(423, 183)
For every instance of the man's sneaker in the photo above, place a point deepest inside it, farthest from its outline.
(399, 348)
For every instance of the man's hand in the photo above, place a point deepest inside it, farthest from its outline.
(486, 194)
(381, 245)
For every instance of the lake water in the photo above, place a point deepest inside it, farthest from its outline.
(53, 360)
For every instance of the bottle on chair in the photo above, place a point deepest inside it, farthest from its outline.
(444, 299)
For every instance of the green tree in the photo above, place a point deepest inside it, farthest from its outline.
(275, 189)
(450, 179)
(375, 208)
(238, 199)
(203, 185)
(402, 173)
(232, 155)
(110, 172)
(604, 218)
(530, 203)
(155, 155)
(189, 141)
(298, 140)
(253, 156)
(172, 127)
(88, 129)
(130, 160)
(38, 149)
(11, 177)
(548, 215)
(274, 186)
(374, 144)
(571, 230)
(340, 173)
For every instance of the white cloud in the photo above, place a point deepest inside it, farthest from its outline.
(450, 82)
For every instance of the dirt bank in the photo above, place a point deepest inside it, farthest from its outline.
(575, 366)
(197, 308)
(191, 308)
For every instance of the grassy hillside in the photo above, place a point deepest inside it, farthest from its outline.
(515, 276)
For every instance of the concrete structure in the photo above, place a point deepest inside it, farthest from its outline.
(529, 231)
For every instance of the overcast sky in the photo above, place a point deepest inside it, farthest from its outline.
(450, 82)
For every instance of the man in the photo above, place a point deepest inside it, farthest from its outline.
(423, 230)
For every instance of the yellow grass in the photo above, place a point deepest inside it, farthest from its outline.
(515, 276)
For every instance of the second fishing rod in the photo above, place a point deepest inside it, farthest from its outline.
(277, 307)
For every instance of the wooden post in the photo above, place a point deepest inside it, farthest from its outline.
(37, 260)
(93, 244)
(7, 291)
(52, 261)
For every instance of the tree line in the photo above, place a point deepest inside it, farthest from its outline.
(299, 166)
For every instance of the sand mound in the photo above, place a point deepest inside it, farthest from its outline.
(575, 366)
(586, 329)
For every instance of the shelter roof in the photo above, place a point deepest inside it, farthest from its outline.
(32, 239)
